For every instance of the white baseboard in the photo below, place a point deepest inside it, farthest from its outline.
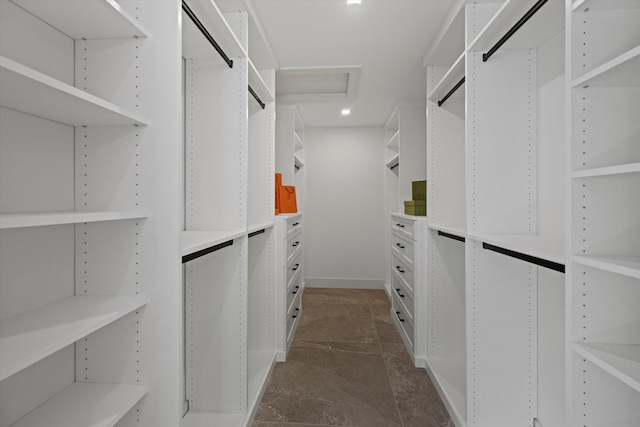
(326, 282)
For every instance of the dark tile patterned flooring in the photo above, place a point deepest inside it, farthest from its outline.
(348, 367)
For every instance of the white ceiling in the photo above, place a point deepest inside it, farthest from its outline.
(387, 38)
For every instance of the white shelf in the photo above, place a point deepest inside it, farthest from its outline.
(24, 89)
(194, 241)
(449, 41)
(621, 361)
(607, 171)
(546, 248)
(456, 231)
(395, 161)
(393, 143)
(544, 24)
(622, 71)
(259, 366)
(60, 218)
(91, 19)
(627, 266)
(85, 404)
(581, 5)
(450, 79)
(297, 162)
(451, 377)
(196, 46)
(36, 334)
(208, 419)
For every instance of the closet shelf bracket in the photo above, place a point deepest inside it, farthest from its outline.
(451, 92)
(451, 236)
(256, 97)
(524, 257)
(514, 29)
(206, 33)
(205, 251)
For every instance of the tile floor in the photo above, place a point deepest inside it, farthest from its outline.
(348, 367)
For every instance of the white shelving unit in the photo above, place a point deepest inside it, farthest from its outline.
(89, 305)
(227, 242)
(603, 275)
(290, 149)
(496, 187)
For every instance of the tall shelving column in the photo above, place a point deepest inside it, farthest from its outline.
(603, 95)
(515, 207)
(446, 220)
(90, 311)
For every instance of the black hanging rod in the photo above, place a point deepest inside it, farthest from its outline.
(455, 88)
(513, 29)
(451, 236)
(206, 251)
(206, 33)
(524, 257)
(257, 98)
(255, 233)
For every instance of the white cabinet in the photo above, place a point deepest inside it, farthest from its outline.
(289, 271)
(603, 95)
(89, 308)
(408, 283)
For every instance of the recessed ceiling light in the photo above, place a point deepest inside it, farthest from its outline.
(345, 112)
(354, 1)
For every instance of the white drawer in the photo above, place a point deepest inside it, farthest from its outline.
(403, 246)
(294, 224)
(403, 226)
(294, 243)
(401, 318)
(404, 271)
(293, 291)
(293, 316)
(402, 293)
(294, 265)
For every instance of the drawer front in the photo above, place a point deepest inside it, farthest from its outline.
(404, 271)
(294, 265)
(404, 296)
(294, 243)
(292, 317)
(293, 291)
(293, 225)
(403, 226)
(402, 246)
(403, 319)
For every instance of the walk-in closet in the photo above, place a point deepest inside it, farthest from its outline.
(203, 201)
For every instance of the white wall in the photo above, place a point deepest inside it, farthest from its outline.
(344, 207)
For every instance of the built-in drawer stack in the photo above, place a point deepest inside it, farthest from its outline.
(289, 279)
(407, 282)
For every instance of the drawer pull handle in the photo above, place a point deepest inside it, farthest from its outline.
(398, 292)
(400, 225)
(297, 311)
(399, 318)
(399, 245)
(295, 224)
(399, 269)
(296, 291)
(294, 244)
(295, 267)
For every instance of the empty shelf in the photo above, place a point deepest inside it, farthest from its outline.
(85, 404)
(625, 265)
(60, 218)
(91, 19)
(36, 334)
(29, 91)
(620, 360)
